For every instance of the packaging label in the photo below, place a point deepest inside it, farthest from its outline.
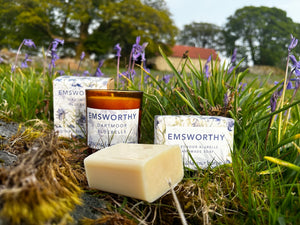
(107, 127)
(207, 145)
(69, 103)
(204, 140)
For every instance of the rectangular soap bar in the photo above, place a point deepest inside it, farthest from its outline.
(141, 171)
(204, 140)
(69, 103)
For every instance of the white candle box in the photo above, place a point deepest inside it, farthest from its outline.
(69, 102)
(204, 140)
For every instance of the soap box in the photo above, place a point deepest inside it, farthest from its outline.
(204, 140)
(69, 102)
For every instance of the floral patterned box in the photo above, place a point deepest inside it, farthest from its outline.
(69, 102)
(204, 140)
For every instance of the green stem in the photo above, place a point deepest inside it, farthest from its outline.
(282, 98)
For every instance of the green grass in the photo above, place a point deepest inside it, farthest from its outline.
(251, 190)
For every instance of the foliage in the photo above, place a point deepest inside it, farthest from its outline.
(261, 186)
(204, 35)
(85, 25)
(123, 21)
(263, 30)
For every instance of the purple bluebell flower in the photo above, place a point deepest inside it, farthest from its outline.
(24, 63)
(297, 83)
(86, 73)
(166, 78)
(146, 78)
(289, 85)
(242, 86)
(296, 65)
(136, 49)
(54, 55)
(226, 99)
(273, 101)
(233, 59)
(82, 56)
(55, 43)
(98, 72)
(147, 70)
(293, 43)
(27, 42)
(118, 49)
(61, 72)
(1, 59)
(206, 67)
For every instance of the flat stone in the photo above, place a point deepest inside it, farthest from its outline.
(7, 130)
(7, 159)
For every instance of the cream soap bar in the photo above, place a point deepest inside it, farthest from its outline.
(69, 104)
(142, 171)
(204, 140)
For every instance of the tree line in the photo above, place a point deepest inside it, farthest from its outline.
(260, 34)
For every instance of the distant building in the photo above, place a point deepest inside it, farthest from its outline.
(179, 52)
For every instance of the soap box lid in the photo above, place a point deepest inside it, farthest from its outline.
(69, 102)
(204, 140)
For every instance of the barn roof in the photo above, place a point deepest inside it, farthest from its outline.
(193, 52)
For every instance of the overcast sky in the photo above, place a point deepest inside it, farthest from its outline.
(217, 11)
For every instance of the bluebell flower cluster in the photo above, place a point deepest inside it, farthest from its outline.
(137, 52)
(289, 82)
(233, 59)
(29, 43)
(53, 51)
(206, 67)
(98, 72)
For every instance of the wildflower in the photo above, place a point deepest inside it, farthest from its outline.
(98, 72)
(293, 43)
(206, 67)
(56, 42)
(54, 55)
(61, 72)
(226, 98)
(147, 70)
(24, 63)
(118, 49)
(273, 101)
(297, 82)
(27, 42)
(82, 56)
(166, 78)
(136, 49)
(86, 73)
(139, 50)
(233, 59)
(1, 59)
(242, 86)
(296, 65)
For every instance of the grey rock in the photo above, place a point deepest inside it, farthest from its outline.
(7, 159)
(7, 130)
(89, 208)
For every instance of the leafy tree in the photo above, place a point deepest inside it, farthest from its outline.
(205, 35)
(122, 22)
(85, 24)
(264, 31)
